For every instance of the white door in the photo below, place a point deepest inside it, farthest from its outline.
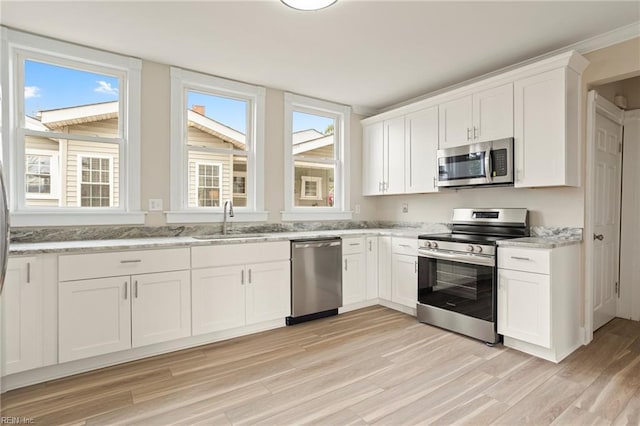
(394, 150)
(404, 280)
(606, 212)
(456, 122)
(22, 304)
(217, 299)
(421, 146)
(373, 159)
(354, 286)
(95, 317)
(371, 255)
(268, 291)
(493, 114)
(160, 307)
(524, 306)
(384, 268)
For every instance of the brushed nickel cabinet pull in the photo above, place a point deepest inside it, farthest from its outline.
(346, 268)
(28, 272)
(242, 277)
(126, 290)
(131, 261)
(136, 289)
(520, 258)
(249, 275)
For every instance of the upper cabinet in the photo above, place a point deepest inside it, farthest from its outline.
(483, 116)
(421, 144)
(383, 157)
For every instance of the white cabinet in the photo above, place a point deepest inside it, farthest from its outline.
(547, 144)
(226, 297)
(404, 271)
(371, 247)
(384, 268)
(538, 311)
(483, 116)
(421, 145)
(383, 157)
(354, 284)
(22, 307)
(103, 315)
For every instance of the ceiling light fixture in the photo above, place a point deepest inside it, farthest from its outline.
(308, 4)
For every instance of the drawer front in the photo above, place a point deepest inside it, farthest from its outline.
(98, 265)
(528, 260)
(239, 254)
(353, 245)
(408, 246)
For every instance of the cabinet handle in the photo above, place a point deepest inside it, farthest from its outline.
(405, 245)
(468, 133)
(136, 289)
(126, 290)
(369, 245)
(346, 268)
(242, 277)
(520, 258)
(28, 272)
(416, 266)
(249, 275)
(354, 244)
(131, 261)
(475, 132)
(434, 182)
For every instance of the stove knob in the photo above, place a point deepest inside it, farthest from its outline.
(427, 244)
(479, 249)
(434, 244)
(470, 247)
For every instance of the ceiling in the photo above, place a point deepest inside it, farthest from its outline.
(369, 54)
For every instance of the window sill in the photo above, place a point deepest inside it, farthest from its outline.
(65, 218)
(316, 215)
(208, 217)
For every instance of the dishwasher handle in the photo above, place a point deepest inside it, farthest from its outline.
(316, 245)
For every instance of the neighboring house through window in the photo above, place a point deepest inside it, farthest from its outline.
(74, 143)
(316, 151)
(216, 142)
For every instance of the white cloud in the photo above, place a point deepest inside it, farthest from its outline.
(105, 87)
(31, 92)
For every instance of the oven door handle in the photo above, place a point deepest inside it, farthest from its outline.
(473, 259)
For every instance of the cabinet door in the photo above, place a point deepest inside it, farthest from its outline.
(384, 268)
(268, 291)
(456, 122)
(394, 151)
(371, 255)
(539, 130)
(373, 159)
(22, 306)
(160, 307)
(524, 306)
(354, 288)
(95, 317)
(404, 280)
(217, 299)
(493, 114)
(421, 146)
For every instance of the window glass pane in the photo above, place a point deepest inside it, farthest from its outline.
(239, 181)
(216, 121)
(313, 135)
(314, 184)
(69, 100)
(95, 188)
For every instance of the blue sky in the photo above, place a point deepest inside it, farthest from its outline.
(51, 86)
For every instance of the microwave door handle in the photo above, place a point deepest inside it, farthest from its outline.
(487, 165)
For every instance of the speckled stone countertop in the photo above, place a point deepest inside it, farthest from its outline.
(538, 242)
(84, 246)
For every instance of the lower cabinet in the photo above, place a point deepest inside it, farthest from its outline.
(371, 249)
(104, 315)
(384, 268)
(404, 280)
(354, 284)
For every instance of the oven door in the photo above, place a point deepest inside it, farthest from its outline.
(462, 283)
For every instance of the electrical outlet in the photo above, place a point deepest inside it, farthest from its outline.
(155, 204)
(357, 208)
(405, 208)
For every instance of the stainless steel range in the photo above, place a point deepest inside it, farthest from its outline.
(457, 272)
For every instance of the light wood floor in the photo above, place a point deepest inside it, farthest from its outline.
(372, 366)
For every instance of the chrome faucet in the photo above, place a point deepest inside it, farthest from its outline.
(224, 215)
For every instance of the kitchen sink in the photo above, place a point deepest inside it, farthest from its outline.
(228, 236)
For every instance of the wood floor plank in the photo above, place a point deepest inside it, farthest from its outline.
(630, 415)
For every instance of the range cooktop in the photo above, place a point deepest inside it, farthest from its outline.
(466, 238)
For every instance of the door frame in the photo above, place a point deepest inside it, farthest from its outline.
(595, 104)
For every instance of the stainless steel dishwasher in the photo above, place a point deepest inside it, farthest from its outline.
(316, 279)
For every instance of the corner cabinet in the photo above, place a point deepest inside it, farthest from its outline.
(421, 145)
(538, 307)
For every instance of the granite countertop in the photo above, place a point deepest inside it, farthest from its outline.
(17, 249)
(538, 242)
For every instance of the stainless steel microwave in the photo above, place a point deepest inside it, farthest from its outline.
(486, 163)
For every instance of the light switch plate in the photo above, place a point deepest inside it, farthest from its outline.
(357, 208)
(155, 204)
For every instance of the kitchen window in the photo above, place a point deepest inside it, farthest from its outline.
(217, 148)
(74, 113)
(316, 151)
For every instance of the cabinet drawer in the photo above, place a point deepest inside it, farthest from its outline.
(529, 260)
(86, 266)
(352, 245)
(407, 246)
(239, 254)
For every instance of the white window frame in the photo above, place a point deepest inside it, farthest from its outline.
(183, 81)
(54, 172)
(303, 189)
(18, 47)
(197, 182)
(341, 115)
(79, 181)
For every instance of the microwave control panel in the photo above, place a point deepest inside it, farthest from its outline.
(499, 161)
